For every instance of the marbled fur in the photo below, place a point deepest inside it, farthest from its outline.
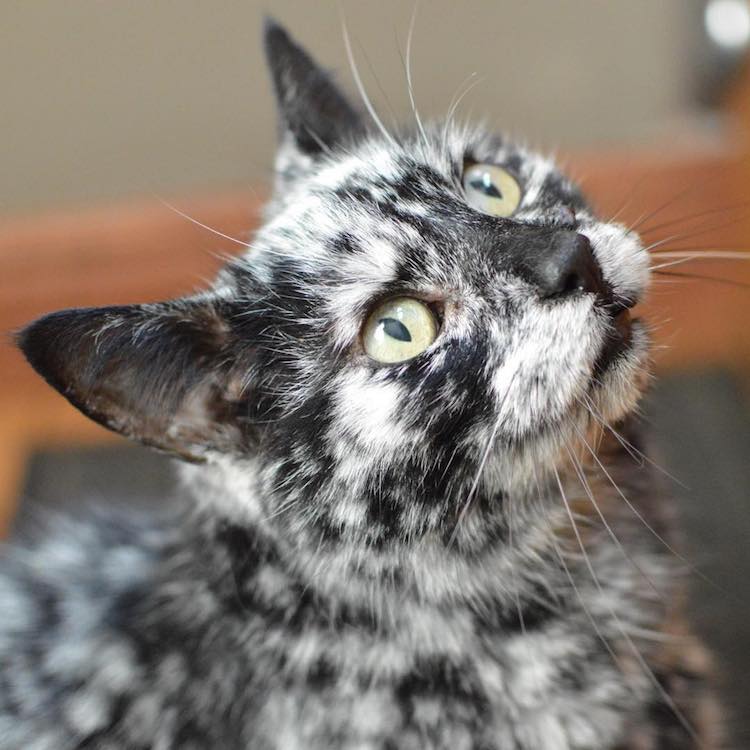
(335, 579)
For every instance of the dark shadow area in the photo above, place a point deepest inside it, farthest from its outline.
(700, 427)
(121, 474)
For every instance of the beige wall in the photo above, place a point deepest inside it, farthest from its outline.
(106, 98)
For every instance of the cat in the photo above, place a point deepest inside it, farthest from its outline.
(406, 419)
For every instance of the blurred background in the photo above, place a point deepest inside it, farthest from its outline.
(119, 120)
(103, 100)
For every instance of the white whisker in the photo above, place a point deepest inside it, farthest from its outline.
(689, 257)
(457, 99)
(587, 488)
(644, 665)
(637, 455)
(361, 87)
(581, 600)
(661, 242)
(513, 571)
(653, 531)
(201, 224)
(409, 85)
(692, 217)
(485, 457)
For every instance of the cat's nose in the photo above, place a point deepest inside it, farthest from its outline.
(568, 266)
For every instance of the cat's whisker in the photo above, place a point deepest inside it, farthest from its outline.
(637, 455)
(691, 217)
(201, 224)
(631, 194)
(578, 468)
(514, 572)
(699, 231)
(703, 248)
(693, 255)
(581, 599)
(691, 188)
(283, 508)
(468, 85)
(391, 111)
(409, 84)
(703, 277)
(360, 85)
(668, 282)
(483, 461)
(642, 661)
(659, 537)
(654, 635)
(461, 91)
(659, 243)
(322, 145)
(673, 263)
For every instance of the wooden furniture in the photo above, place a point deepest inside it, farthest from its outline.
(144, 251)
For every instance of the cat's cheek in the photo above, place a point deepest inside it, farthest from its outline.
(369, 415)
(547, 366)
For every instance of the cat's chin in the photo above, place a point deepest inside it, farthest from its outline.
(621, 372)
(617, 342)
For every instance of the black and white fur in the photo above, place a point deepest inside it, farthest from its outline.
(369, 556)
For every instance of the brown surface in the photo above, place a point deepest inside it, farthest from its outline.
(129, 253)
(145, 251)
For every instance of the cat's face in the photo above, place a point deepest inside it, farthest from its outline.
(416, 307)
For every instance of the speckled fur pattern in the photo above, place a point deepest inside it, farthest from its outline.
(369, 557)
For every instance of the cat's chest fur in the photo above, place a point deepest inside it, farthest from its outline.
(460, 689)
(214, 640)
(222, 645)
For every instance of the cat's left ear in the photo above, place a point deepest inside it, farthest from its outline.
(315, 115)
(166, 375)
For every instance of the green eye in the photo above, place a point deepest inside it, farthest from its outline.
(491, 189)
(399, 329)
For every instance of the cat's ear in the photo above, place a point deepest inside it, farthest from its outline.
(314, 114)
(160, 374)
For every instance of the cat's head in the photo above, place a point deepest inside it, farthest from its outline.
(420, 307)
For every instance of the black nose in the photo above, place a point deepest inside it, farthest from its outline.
(567, 266)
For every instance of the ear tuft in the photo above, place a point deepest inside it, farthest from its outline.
(312, 109)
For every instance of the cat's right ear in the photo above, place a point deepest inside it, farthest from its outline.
(314, 114)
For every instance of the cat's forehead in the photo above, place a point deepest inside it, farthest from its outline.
(424, 164)
(365, 208)
(416, 180)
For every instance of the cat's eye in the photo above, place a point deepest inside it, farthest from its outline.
(491, 189)
(399, 329)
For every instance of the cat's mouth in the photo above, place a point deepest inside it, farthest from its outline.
(618, 337)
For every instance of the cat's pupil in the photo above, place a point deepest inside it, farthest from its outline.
(395, 329)
(484, 184)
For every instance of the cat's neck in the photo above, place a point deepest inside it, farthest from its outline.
(263, 556)
(499, 556)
